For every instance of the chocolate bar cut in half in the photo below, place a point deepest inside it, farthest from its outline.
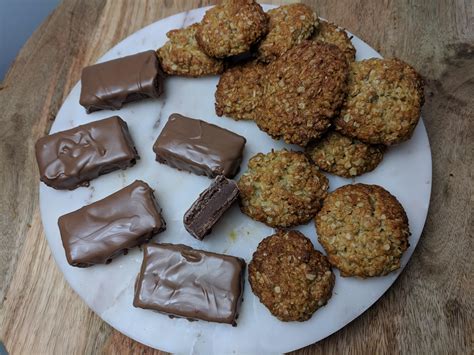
(211, 204)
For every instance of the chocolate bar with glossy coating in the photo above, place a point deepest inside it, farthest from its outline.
(71, 158)
(110, 85)
(97, 233)
(194, 284)
(199, 147)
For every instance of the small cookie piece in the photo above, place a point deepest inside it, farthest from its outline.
(181, 55)
(383, 103)
(344, 156)
(231, 28)
(328, 32)
(289, 25)
(303, 90)
(290, 277)
(364, 230)
(239, 91)
(282, 189)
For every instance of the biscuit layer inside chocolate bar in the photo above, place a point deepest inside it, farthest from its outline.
(210, 206)
(199, 147)
(97, 233)
(69, 159)
(110, 85)
(183, 282)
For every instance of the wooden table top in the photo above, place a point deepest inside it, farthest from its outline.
(429, 309)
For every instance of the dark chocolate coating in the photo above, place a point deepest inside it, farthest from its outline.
(210, 206)
(194, 284)
(109, 85)
(97, 233)
(199, 147)
(69, 159)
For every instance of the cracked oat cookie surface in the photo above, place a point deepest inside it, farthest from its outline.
(328, 32)
(288, 25)
(290, 277)
(344, 156)
(303, 89)
(383, 103)
(364, 230)
(181, 55)
(231, 28)
(239, 91)
(282, 189)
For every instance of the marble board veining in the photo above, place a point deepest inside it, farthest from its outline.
(108, 289)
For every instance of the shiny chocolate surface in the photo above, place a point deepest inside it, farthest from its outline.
(71, 158)
(110, 85)
(184, 282)
(97, 233)
(199, 147)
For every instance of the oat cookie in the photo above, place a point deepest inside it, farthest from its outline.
(290, 277)
(363, 229)
(231, 28)
(239, 91)
(303, 89)
(288, 25)
(181, 55)
(344, 156)
(383, 103)
(328, 32)
(282, 188)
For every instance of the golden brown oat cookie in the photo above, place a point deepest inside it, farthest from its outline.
(288, 26)
(282, 188)
(231, 28)
(303, 89)
(239, 91)
(181, 55)
(363, 229)
(328, 32)
(290, 277)
(383, 103)
(344, 156)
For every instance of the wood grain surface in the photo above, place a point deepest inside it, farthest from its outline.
(430, 307)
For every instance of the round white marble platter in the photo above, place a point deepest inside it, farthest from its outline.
(108, 289)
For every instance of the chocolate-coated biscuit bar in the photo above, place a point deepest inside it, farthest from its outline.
(199, 147)
(110, 85)
(97, 233)
(194, 284)
(210, 206)
(69, 159)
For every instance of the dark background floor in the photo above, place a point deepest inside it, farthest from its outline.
(18, 20)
